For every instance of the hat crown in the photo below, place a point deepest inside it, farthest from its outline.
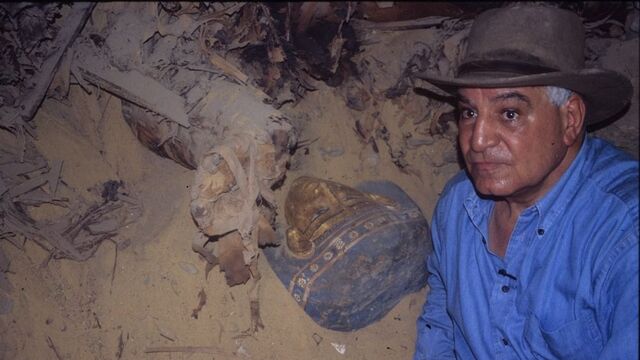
(529, 35)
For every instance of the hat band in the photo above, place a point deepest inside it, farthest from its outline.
(500, 66)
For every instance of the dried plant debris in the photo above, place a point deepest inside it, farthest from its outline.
(319, 36)
(262, 44)
(439, 56)
(6, 303)
(121, 344)
(213, 350)
(33, 39)
(202, 300)
(82, 225)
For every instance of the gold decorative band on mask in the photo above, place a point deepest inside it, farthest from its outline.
(314, 206)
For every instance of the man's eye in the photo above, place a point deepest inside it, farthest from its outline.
(467, 114)
(510, 115)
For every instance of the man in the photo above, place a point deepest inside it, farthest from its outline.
(536, 241)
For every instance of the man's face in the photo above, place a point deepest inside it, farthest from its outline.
(512, 140)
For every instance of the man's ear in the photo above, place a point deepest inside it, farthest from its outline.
(573, 112)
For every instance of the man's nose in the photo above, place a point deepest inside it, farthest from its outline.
(484, 134)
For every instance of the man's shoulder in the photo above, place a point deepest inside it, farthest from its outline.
(613, 172)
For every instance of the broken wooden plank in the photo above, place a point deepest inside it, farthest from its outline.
(3, 187)
(53, 176)
(228, 68)
(25, 186)
(70, 236)
(38, 197)
(191, 349)
(11, 169)
(136, 88)
(4, 262)
(69, 31)
(422, 23)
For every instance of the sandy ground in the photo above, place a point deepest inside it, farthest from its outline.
(98, 310)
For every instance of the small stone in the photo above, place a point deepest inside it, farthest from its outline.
(357, 98)
(188, 268)
(331, 151)
(243, 351)
(317, 338)
(341, 348)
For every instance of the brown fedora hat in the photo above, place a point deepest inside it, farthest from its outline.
(532, 45)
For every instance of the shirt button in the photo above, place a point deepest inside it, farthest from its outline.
(540, 231)
(505, 289)
(505, 342)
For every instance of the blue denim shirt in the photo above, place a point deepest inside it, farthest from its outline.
(567, 287)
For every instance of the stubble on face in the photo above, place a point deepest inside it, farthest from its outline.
(511, 140)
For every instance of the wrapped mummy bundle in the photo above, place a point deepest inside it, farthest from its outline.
(239, 147)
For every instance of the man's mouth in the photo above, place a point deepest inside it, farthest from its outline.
(486, 166)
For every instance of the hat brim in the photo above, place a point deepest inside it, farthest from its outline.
(605, 92)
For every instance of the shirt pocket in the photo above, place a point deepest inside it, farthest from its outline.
(576, 339)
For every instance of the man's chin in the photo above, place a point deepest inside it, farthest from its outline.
(491, 189)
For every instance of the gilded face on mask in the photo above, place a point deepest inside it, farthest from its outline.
(313, 206)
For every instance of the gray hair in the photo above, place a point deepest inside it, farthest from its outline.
(557, 95)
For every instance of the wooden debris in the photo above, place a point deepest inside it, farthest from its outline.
(202, 300)
(97, 325)
(382, 12)
(424, 23)
(25, 108)
(53, 178)
(73, 236)
(115, 263)
(254, 302)
(4, 262)
(120, 349)
(191, 349)
(228, 68)
(5, 284)
(52, 346)
(164, 332)
(59, 87)
(136, 88)
(323, 40)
